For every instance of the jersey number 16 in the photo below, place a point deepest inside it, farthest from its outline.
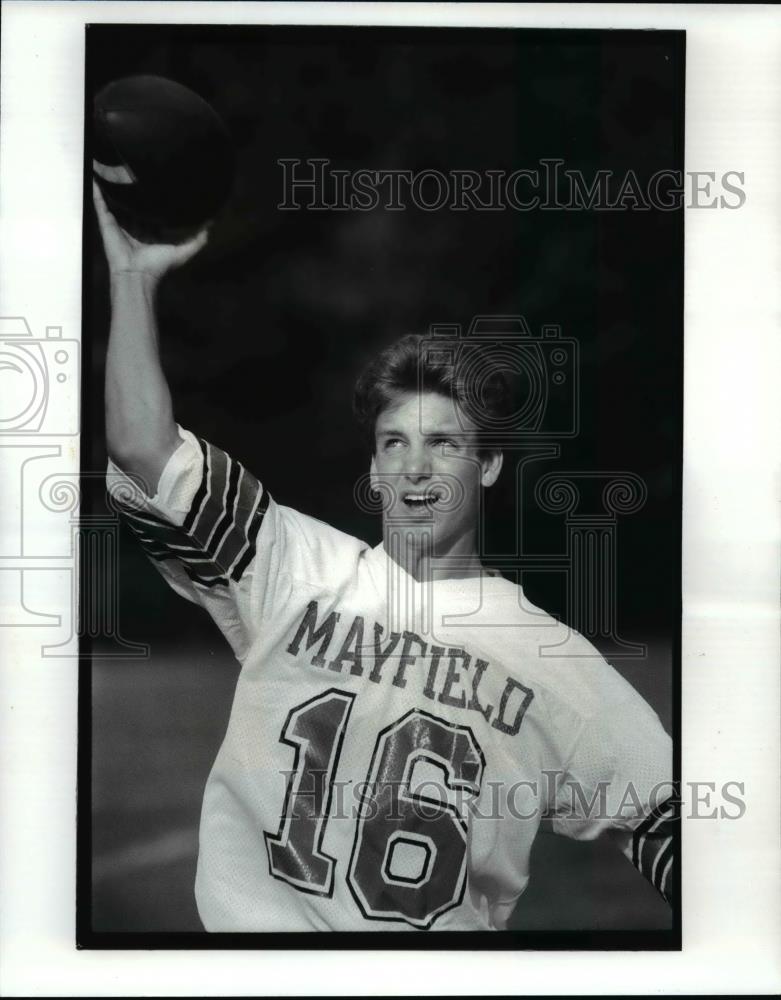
(390, 817)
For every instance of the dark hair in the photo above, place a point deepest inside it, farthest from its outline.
(415, 363)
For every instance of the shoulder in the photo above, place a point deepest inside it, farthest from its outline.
(318, 549)
(558, 661)
(313, 532)
(589, 713)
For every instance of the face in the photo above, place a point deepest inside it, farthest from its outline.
(429, 472)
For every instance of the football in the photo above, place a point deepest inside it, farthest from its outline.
(163, 157)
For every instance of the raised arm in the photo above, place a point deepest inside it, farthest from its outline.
(141, 433)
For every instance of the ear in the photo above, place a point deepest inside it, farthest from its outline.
(491, 466)
(373, 474)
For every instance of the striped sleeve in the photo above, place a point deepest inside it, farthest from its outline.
(653, 847)
(201, 531)
(216, 541)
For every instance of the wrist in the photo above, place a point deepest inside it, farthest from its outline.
(133, 279)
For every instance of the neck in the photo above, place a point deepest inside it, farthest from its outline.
(415, 552)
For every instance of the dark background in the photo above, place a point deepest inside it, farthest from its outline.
(264, 332)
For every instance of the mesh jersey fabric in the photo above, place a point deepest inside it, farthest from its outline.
(392, 745)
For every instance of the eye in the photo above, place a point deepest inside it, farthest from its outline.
(391, 443)
(442, 441)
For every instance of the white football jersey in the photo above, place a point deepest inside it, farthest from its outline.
(392, 745)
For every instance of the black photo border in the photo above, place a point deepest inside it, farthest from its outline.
(609, 940)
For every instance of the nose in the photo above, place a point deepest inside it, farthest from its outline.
(419, 465)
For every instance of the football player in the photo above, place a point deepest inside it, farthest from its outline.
(397, 732)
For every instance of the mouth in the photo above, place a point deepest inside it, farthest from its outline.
(422, 501)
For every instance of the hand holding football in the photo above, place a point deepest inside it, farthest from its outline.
(162, 156)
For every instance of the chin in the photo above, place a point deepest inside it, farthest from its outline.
(418, 528)
(418, 532)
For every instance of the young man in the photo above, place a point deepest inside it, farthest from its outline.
(398, 731)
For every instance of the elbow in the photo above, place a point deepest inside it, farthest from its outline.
(145, 459)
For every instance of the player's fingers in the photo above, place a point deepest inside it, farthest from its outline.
(106, 221)
(115, 175)
(192, 246)
(97, 198)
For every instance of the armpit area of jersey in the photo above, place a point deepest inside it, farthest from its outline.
(176, 488)
(205, 515)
